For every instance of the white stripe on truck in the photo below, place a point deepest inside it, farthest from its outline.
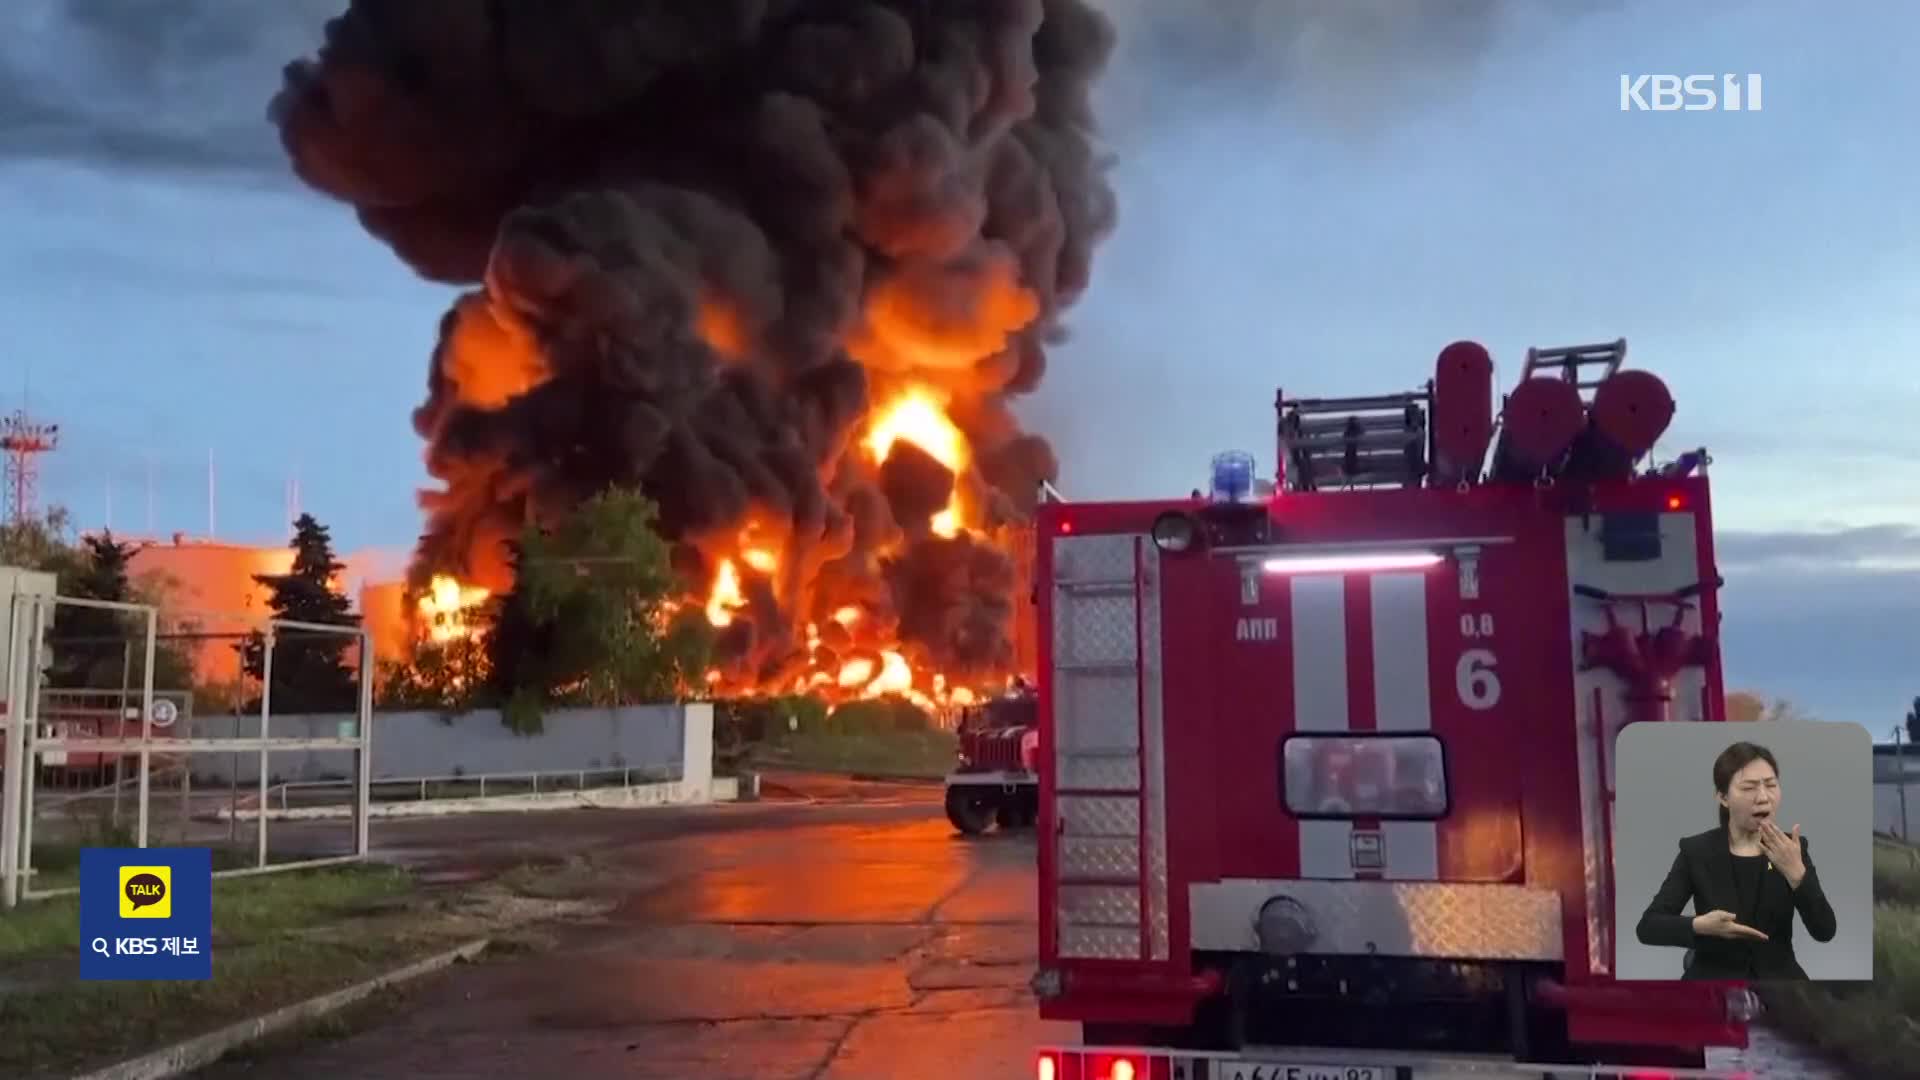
(1319, 616)
(1402, 701)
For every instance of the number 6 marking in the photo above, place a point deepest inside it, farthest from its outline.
(1475, 680)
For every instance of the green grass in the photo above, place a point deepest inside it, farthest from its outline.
(919, 754)
(265, 955)
(53, 1032)
(1872, 1027)
(244, 909)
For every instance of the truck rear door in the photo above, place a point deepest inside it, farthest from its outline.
(1366, 724)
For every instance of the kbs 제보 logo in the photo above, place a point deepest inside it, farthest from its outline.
(146, 913)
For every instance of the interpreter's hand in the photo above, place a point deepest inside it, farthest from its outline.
(1722, 924)
(1783, 851)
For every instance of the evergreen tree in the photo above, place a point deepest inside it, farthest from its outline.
(98, 648)
(1913, 722)
(310, 672)
(90, 639)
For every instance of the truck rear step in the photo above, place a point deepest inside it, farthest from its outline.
(1313, 1063)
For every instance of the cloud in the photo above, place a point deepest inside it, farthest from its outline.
(1334, 64)
(1828, 618)
(163, 84)
(1890, 548)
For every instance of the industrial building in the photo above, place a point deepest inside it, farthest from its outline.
(207, 586)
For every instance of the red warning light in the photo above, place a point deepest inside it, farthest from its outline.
(1675, 502)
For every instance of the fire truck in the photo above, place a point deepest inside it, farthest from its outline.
(1326, 762)
(995, 780)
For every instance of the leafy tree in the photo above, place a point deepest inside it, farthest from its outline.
(310, 672)
(1744, 705)
(450, 676)
(1913, 722)
(590, 620)
(1780, 709)
(40, 544)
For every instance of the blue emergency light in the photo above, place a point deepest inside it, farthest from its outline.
(1232, 477)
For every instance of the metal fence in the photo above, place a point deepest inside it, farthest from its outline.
(291, 794)
(150, 732)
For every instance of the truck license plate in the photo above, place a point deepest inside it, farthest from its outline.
(1256, 1070)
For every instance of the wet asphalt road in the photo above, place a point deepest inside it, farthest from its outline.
(851, 936)
(759, 942)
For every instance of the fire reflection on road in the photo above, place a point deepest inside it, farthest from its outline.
(842, 942)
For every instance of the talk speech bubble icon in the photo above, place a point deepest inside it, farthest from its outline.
(145, 890)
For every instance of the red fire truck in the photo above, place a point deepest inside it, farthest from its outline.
(995, 780)
(1325, 769)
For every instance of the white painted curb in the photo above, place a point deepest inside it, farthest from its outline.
(198, 1052)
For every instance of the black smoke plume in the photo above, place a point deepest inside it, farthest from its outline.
(709, 241)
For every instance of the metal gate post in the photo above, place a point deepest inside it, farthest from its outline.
(10, 767)
(363, 757)
(29, 718)
(266, 703)
(146, 719)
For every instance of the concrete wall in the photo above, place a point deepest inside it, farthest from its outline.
(659, 742)
(1886, 810)
(1890, 766)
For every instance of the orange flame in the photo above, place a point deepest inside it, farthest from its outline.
(723, 326)
(446, 606)
(851, 653)
(921, 419)
(491, 357)
(726, 597)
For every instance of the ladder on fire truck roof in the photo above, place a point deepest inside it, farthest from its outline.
(1570, 360)
(1354, 442)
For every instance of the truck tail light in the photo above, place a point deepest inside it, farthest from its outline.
(1103, 1063)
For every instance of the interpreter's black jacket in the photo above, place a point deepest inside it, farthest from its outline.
(1703, 872)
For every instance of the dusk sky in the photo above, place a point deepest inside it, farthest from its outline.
(1322, 213)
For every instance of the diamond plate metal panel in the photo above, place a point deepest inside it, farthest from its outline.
(1079, 772)
(1154, 756)
(1100, 905)
(1093, 558)
(1390, 918)
(1099, 815)
(1099, 943)
(1097, 712)
(1088, 857)
(1093, 628)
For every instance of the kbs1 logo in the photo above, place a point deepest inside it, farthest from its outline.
(1689, 93)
